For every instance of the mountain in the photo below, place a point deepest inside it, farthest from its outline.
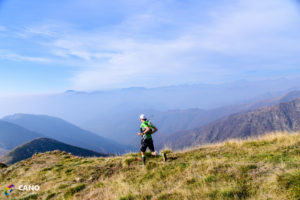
(290, 96)
(41, 145)
(78, 107)
(267, 168)
(2, 151)
(66, 132)
(12, 135)
(281, 117)
(169, 121)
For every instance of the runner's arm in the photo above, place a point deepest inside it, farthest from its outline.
(147, 129)
(155, 129)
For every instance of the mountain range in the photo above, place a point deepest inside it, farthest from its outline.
(12, 135)
(113, 114)
(63, 131)
(175, 126)
(281, 117)
(79, 107)
(41, 145)
(126, 124)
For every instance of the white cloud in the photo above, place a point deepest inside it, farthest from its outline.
(248, 35)
(251, 26)
(19, 58)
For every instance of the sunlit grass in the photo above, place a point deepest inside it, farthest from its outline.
(258, 168)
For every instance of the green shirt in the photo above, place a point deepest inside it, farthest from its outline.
(144, 125)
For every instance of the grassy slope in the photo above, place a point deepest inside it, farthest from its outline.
(267, 168)
(41, 145)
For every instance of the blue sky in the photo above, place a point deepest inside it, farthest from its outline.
(52, 46)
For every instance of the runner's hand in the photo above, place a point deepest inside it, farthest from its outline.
(140, 133)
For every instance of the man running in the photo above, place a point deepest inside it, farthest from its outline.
(146, 131)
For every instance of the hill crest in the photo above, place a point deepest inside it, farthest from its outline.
(251, 169)
(41, 145)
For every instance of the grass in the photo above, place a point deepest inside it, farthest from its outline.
(291, 181)
(255, 169)
(73, 190)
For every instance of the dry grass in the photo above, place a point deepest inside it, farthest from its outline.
(258, 168)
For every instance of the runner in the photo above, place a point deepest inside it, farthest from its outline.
(146, 131)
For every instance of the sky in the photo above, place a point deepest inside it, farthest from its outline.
(52, 46)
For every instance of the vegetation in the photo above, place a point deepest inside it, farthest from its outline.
(264, 168)
(41, 145)
(280, 117)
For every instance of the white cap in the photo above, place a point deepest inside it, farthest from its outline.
(142, 116)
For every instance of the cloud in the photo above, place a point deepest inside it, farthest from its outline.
(243, 39)
(20, 58)
(44, 30)
(154, 47)
(253, 26)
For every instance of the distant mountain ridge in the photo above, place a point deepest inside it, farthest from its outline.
(3, 151)
(12, 135)
(170, 121)
(79, 107)
(41, 145)
(66, 132)
(281, 117)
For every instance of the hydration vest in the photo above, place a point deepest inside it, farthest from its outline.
(143, 128)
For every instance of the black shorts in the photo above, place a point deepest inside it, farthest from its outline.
(147, 143)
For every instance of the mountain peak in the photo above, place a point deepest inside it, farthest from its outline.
(280, 117)
(41, 145)
(61, 130)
